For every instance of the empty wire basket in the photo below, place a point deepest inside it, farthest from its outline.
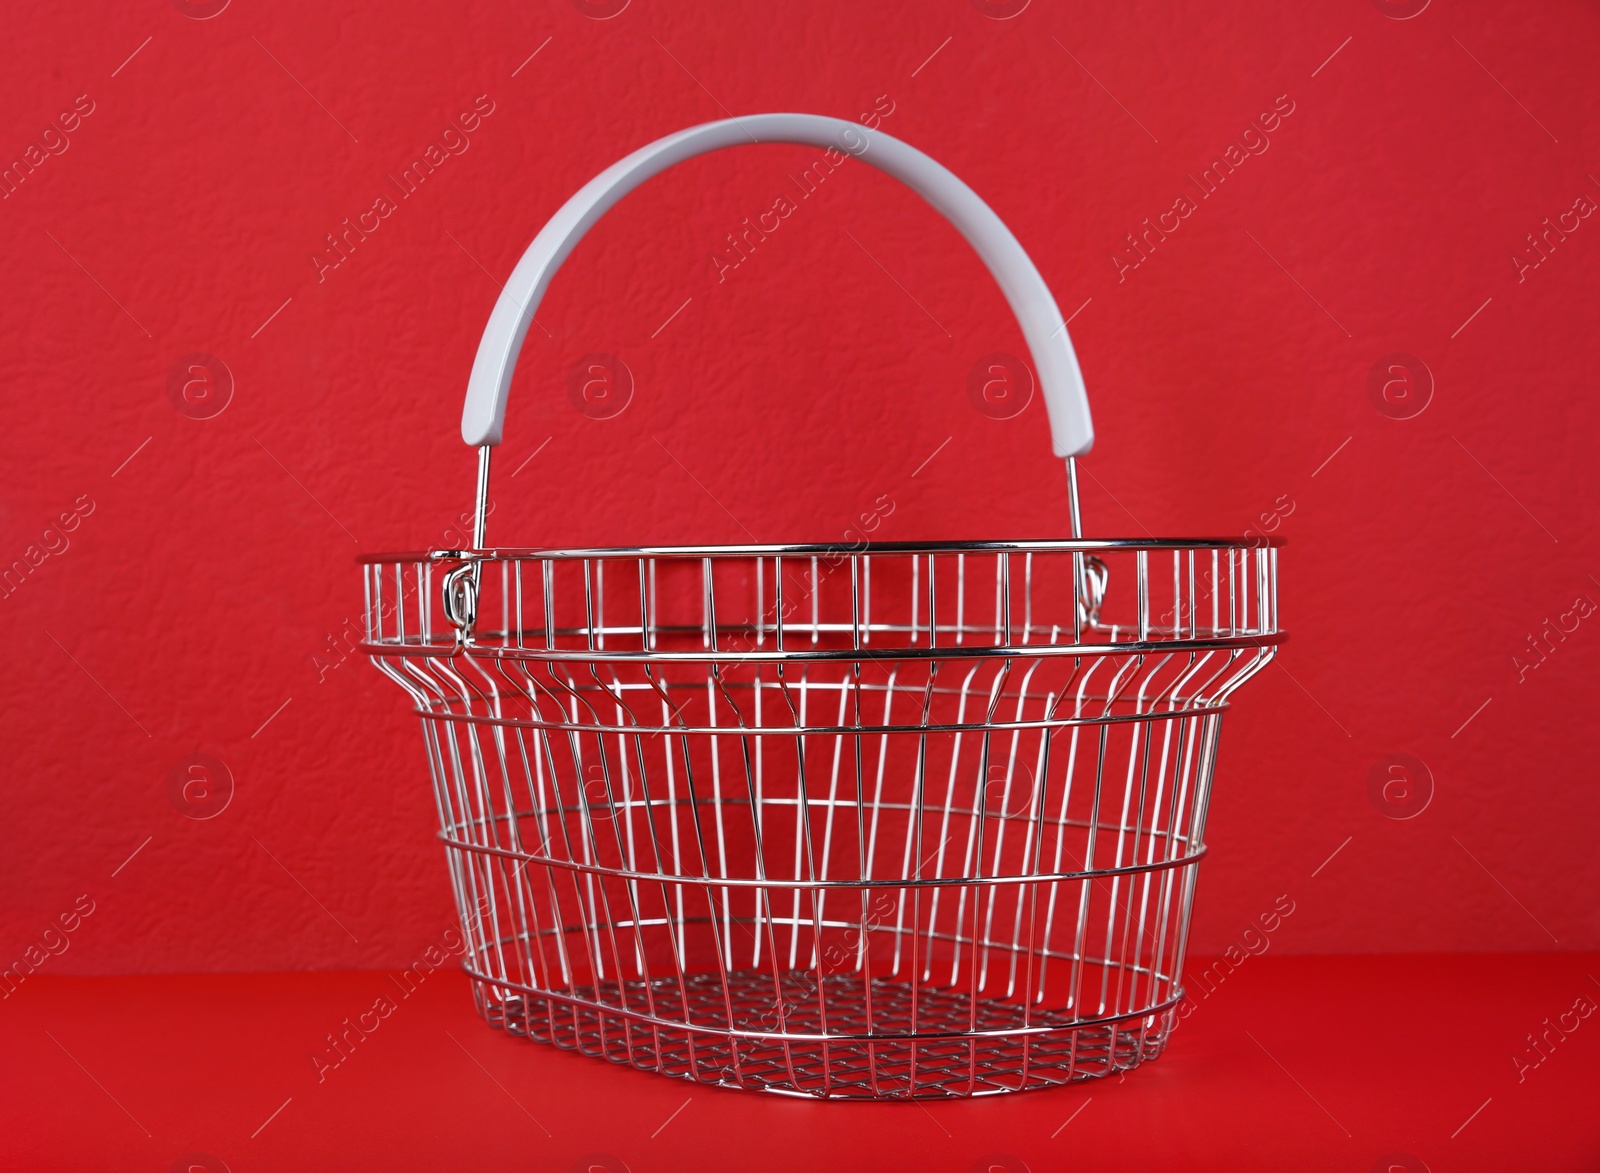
(898, 820)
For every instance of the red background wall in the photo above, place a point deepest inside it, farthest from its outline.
(1229, 373)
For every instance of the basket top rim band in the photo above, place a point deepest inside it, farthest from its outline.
(820, 549)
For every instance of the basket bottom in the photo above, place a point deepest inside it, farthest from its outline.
(974, 1064)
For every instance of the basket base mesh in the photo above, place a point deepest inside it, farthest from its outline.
(893, 1068)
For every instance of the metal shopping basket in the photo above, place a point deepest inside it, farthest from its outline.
(888, 821)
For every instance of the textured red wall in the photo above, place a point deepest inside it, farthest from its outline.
(193, 600)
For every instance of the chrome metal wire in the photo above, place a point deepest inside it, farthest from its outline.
(902, 820)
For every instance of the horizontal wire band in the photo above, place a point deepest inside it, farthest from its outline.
(787, 885)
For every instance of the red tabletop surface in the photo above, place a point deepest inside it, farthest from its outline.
(1348, 1063)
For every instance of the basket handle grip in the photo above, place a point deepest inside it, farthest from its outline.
(1060, 381)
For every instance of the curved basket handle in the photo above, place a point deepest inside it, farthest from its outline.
(1071, 429)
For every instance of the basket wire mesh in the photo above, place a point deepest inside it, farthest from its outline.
(903, 820)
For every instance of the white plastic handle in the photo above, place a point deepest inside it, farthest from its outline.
(1060, 381)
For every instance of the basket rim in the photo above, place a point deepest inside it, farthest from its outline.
(811, 549)
(857, 655)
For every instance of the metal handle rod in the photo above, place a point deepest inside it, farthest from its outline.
(1072, 498)
(480, 511)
